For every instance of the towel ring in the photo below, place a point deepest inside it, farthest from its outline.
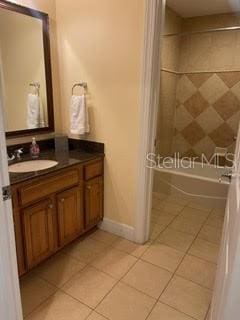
(81, 84)
(36, 85)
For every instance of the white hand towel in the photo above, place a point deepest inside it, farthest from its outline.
(33, 111)
(79, 115)
(42, 123)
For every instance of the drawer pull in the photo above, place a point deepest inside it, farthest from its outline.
(50, 206)
(62, 200)
(89, 188)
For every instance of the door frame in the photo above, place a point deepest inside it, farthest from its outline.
(149, 103)
(10, 300)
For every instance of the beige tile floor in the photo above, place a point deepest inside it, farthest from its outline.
(107, 277)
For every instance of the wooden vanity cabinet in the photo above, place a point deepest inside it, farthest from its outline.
(39, 223)
(54, 210)
(70, 215)
(94, 201)
(19, 243)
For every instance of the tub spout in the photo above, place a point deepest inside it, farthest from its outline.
(227, 175)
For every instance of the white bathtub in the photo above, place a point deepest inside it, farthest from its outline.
(198, 183)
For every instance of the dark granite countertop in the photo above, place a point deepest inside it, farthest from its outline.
(65, 159)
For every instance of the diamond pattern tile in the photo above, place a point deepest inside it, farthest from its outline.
(190, 154)
(236, 90)
(206, 146)
(185, 89)
(213, 89)
(196, 104)
(207, 113)
(227, 105)
(193, 133)
(233, 122)
(183, 118)
(223, 136)
(198, 79)
(180, 144)
(209, 120)
(230, 78)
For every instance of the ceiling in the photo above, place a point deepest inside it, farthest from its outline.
(194, 8)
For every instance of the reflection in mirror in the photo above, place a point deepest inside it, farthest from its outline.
(26, 71)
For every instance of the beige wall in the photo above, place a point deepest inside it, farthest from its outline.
(48, 6)
(100, 42)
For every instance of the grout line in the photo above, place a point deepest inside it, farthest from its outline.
(176, 216)
(178, 311)
(137, 259)
(155, 265)
(161, 294)
(151, 310)
(210, 262)
(120, 280)
(98, 314)
(158, 300)
(59, 289)
(140, 291)
(200, 285)
(38, 306)
(186, 253)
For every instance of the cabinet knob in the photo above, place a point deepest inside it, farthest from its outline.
(50, 206)
(62, 200)
(89, 187)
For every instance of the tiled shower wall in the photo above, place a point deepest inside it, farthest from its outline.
(204, 111)
(208, 112)
(169, 80)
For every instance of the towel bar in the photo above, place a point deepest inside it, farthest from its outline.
(36, 85)
(81, 84)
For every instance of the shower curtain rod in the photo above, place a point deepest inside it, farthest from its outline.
(202, 31)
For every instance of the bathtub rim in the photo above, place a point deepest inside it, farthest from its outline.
(175, 171)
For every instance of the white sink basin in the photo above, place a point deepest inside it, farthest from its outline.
(30, 166)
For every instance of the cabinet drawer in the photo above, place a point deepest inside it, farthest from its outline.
(47, 186)
(93, 170)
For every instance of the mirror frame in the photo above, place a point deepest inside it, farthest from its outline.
(48, 69)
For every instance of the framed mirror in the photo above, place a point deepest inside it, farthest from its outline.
(26, 68)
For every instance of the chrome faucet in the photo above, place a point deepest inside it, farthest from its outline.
(18, 153)
(228, 175)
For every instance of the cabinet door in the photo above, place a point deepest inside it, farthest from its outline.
(19, 242)
(94, 201)
(70, 214)
(39, 232)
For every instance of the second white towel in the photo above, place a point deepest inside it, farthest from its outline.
(79, 115)
(33, 111)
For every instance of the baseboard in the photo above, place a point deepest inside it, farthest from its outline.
(120, 229)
